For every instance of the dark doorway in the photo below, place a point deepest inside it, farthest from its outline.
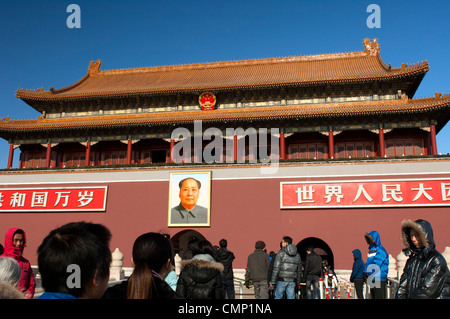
(180, 240)
(321, 248)
(159, 156)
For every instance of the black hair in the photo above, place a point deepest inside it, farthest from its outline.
(19, 231)
(203, 247)
(223, 243)
(80, 243)
(150, 252)
(180, 184)
(287, 239)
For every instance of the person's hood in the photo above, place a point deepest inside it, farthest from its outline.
(202, 268)
(224, 253)
(10, 250)
(291, 250)
(425, 231)
(373, 238)
(357, 254)
(7, 291)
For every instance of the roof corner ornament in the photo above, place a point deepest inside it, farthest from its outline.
(372, 48)
(94, 67)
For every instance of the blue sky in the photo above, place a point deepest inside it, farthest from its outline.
(38, 50)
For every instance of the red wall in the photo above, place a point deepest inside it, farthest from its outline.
(242, 211)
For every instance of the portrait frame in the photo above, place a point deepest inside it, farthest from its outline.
(177, 214)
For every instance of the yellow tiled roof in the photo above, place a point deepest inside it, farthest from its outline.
(297, 70)
(236, 114)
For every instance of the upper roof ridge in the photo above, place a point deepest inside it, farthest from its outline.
(207, 65)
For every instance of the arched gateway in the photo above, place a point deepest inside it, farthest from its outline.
(321, 248)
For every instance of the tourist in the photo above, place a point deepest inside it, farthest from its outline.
(376, 267)
(172, 277)
(312, 273)
(257, 271)
(356, 276)
(272, 256)
(226, 257)
(187, 254)
(200, 277)
(74, 261)
(10, 273)
(15, 243)
(287, 271)
(329, 275)
(152, 254)
(425, 275)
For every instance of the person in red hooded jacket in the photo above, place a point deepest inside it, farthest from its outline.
(15, 241)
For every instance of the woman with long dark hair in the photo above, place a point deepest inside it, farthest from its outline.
(152, 253)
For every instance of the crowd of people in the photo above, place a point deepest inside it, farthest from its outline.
(207, 270)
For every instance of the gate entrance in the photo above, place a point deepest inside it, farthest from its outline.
(321, 248)
(180, 240)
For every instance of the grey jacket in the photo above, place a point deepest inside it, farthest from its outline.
(257, 266)
(180, 215)
(287, 265)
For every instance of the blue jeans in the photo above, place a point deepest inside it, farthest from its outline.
(312, 280)
(282, 286)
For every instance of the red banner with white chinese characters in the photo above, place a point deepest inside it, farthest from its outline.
(49, 199)
(365, 193)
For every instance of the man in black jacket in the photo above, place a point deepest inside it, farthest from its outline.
(426, 275)
(257, 271)
(287, 271)
(313, 270)
(226, 257)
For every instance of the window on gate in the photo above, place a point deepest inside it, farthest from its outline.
(308, 151)
(114, 157)
(74, 159)
(354, 149)
(405, 147)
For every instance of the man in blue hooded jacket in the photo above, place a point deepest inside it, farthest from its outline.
(357, 273)
(377, 266)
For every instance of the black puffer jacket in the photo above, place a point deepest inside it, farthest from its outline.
(287, 265)
(426, 275)
(200, 278)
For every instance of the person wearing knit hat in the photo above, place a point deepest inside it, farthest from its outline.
(260, 244)
(257, 271)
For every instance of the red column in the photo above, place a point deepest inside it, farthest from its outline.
(282, 146)
(172, 144)
(87, 158)
(381, 142)
(433, 140)
(129, 151)
(10, 156)
(330, 144)
(235, 155)
(48, 155)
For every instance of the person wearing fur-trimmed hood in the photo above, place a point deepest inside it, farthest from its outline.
(426, 274)
(200, 277)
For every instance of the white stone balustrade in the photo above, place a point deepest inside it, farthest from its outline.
(116, 271)
(396, 265)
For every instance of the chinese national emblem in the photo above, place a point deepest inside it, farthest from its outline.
(207, 101)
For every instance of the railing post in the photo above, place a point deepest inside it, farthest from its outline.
(116, 272)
